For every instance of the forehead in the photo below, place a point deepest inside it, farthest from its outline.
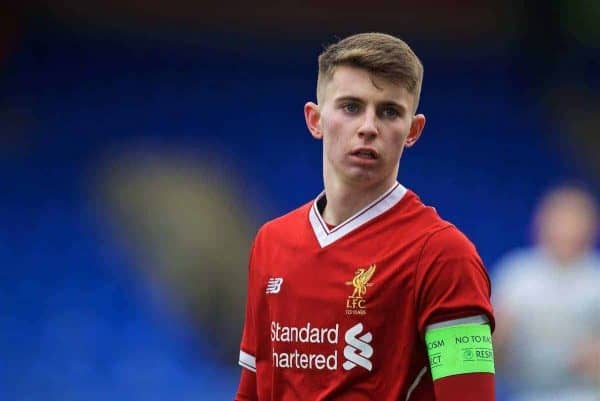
(356, 82)
(570, 203)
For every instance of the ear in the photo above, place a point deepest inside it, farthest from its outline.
(416, 128)
(312, 115)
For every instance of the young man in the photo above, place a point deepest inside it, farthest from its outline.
(365, 293)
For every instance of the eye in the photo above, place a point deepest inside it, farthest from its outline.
(351, 107)
(390, 112)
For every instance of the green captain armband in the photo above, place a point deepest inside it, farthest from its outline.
(464, 348)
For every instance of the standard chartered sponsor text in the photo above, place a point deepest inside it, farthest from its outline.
(299, 360)
(307, 334)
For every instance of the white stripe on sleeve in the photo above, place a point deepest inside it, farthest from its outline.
(247, 361)
(479, 319)
(414, 385)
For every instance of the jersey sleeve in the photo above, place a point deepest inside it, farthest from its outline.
(247, 357)
(451, 281)
(247, 387)
(468, 387)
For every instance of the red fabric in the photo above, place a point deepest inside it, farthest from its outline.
(247, 388)
(249, 334)
(468, 387)
(451, 280)
(426, 271)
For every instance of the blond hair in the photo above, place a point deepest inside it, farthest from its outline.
(380, 54)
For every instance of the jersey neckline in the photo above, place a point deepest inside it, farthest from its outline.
(326, 236)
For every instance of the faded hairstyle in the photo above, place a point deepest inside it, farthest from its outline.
(380, 54)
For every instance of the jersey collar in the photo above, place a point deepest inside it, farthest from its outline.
(326, 236)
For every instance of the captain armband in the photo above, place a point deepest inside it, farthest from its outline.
(463, 348)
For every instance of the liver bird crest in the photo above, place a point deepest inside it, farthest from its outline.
(361, 281)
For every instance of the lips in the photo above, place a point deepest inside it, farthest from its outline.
(365, 153)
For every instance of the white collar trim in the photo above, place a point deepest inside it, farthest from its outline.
(325, 236)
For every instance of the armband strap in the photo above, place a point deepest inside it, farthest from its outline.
(464, 348)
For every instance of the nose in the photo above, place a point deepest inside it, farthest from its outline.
(368, 128)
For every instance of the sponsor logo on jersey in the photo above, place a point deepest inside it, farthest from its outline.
(357, 350)
(307, 334)
(356, 303)
(274, 285)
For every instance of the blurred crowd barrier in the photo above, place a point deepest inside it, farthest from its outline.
(191, 231)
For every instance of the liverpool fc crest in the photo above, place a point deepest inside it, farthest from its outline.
(355, 303)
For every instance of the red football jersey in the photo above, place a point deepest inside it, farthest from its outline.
(340, 314)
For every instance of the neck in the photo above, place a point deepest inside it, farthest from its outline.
(344, 201)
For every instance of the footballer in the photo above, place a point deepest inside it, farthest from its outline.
(366, 293)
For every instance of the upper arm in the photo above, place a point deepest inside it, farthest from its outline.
(247, 387)
(451, 281)
(461, 359)
(247, 358)
(467, 387)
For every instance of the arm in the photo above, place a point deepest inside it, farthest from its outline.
(461, 360)
(452, 285)
(467, 387)
(247, 388)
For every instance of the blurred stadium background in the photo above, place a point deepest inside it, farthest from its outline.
(142, 144)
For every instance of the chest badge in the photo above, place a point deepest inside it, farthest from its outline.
(355, 303)
(274, 285)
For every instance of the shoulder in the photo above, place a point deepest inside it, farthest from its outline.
(422, 219)
(451, 280)
(282, 228)
(448, 256)
(520, 257)
(448, 241)
(441, 236)
(287, 221)
(521, 265)
(592, 261)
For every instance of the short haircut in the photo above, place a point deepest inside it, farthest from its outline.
(380, 54)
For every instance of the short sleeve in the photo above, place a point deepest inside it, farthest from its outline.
(450, 281)
(248, 344)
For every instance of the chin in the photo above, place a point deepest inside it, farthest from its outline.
(364, 178)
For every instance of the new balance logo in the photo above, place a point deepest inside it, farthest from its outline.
(274, 285)
(358, 351)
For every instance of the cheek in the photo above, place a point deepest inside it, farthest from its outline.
(333, 132)
(334, 125)
(401, 134)
(392, 138)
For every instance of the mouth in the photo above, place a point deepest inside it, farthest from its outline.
(365, 153)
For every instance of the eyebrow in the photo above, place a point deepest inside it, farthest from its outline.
(359, 100)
